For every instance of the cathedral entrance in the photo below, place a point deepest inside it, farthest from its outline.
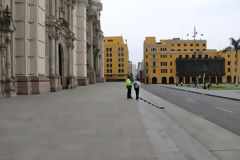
(61, 64)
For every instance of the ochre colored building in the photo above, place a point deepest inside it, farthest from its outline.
(115, 59)
(188, 61)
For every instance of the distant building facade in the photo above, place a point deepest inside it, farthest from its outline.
(188, 61)
(115, 59)
(57, 44)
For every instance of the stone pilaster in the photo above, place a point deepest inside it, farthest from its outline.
(81, 42)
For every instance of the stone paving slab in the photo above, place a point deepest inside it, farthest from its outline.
(94, 122)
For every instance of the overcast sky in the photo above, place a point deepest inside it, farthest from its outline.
(218, 20)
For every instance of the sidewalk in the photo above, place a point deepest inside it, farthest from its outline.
(94, 122)
(227, 94)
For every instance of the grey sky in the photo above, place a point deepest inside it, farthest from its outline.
(218, 20)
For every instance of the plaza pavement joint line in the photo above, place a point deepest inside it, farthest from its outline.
(151, 103)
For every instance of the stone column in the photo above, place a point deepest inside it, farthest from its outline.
(101, 56)
(9, 84)
(81, 43)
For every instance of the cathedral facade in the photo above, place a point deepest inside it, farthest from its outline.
(50, 45)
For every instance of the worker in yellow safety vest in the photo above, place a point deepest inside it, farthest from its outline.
(129, 88)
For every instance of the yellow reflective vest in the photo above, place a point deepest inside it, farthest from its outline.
(128, 82)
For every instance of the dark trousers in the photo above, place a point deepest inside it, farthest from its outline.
(129, 88)
(137, 92)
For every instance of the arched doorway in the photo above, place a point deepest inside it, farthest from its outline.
(147, 81)
(200, 80)
(194, 80)
(60, 63)
(180, 79)
(219, 79)
(164, 80)
(154, 80)
(187, 81)
(171, 80)
(213, 79)
(229, 79)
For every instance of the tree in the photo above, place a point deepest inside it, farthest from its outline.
(235, 46)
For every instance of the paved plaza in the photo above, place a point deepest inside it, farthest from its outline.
(94, 122)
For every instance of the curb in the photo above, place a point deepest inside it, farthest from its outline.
(207, 94)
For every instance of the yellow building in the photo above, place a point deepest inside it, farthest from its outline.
(188, 61)
(115, 59)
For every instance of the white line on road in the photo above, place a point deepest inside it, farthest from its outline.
(225, 110)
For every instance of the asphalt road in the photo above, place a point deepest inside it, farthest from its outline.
(223, 112)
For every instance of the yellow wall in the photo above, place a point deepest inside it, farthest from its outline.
(115, 58)
(167, 51)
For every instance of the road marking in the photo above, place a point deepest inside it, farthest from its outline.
(225, 110)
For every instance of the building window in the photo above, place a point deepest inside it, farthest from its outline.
(170, 63)
(180, 56)
(172, 45)
(185, 49)
(122, 49)
(119, 59)
(170, 56)
(119, 65)
(154, 64)
(119, 49)
(118, 54)
(146, 56)
(198, 50)
(170, 70)
(228, 56)
(229, 70)
(122, 59)
(146, 64)
(110, 55)
(154, 70)
(193, 56)
(107, 70)
(110, 65)
(107, 54)
(110, 70)
(200, 56)
(122, 54)
(187, 56)
(172, 49)
(122, 70)
(107, 65)
(146, 49)
(191, 45)
(154, 56)
(204, 45)
(146, 71)
(185, 45)
(191, 49)
(179, 49)
(119, 70)
(204, 49)
(197, 44)
(110, 59)
(206, 56)
(179, 45)
(229, 63)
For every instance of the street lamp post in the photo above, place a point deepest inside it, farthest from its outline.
(204, 75)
